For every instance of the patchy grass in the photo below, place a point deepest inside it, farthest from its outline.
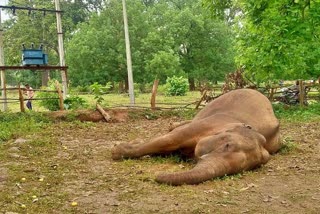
(14, 125)
(297, 113)
(288, 145)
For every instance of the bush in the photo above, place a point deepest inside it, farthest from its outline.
(75, 102)
(50, 99)
(177, 86)
(98, 90)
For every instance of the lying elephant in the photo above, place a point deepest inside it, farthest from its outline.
(237, 131)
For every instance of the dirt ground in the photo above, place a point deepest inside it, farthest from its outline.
(80, 176)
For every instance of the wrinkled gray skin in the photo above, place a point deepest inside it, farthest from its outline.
(237, 131)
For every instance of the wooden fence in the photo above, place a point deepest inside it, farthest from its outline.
(21, 99)
(306, 92)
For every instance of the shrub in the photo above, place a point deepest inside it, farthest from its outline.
(98, 90)
(50, 99)
(177, 86)
(75, 102)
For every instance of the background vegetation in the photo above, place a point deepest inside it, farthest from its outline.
(167, 38)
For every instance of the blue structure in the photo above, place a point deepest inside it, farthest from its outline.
(34, 56)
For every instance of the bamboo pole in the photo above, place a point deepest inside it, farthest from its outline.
(21, 99)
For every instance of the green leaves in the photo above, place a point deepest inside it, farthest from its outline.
(277, 39)
(177, 86)
(167, 38)
(98, 90)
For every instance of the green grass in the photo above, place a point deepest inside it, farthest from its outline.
(117, 100)
(287, 146)
(14, 125)
(297, 113)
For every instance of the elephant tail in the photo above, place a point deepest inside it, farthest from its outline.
(200, 173)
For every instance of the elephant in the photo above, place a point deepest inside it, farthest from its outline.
(237, 131)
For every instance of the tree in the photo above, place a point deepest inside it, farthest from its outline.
(97, 54)
(204, 44)
(164, 64)
(169, 35)
(277, 39)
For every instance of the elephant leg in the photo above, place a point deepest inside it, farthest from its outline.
(138, 148)
(178, 124)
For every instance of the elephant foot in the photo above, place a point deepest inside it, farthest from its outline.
(125, 150)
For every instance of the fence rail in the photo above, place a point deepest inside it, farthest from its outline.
(272, 93)
(21, 98)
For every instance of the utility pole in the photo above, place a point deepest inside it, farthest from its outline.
(3, 76)
(61, 49)
(128, 52)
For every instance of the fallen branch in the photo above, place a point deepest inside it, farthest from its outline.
(106, 116)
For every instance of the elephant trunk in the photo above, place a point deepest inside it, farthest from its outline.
(200, 173)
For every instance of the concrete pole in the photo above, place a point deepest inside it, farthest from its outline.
(128, 52)
(61, 50)
(3, 75)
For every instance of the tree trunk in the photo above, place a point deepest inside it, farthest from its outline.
(192, 86)
(45, 78)
(121, 87)
(154, 94)
(126, 85)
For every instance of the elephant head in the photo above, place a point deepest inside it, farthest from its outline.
(235, 149)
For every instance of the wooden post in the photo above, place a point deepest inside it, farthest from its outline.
(154, 94)
(4, 90)
(301, 93)
(60, 96)
(21, 99)
(271, 94)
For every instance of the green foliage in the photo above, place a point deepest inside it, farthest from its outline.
(297, 113)
(14, 125)
(164, 64)
(50, 99)
(98, 90)
(276, 39)
(167, 38)
(177, 86)
(75, 102)
(80, 89)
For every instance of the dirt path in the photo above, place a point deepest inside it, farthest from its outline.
(289, 183)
